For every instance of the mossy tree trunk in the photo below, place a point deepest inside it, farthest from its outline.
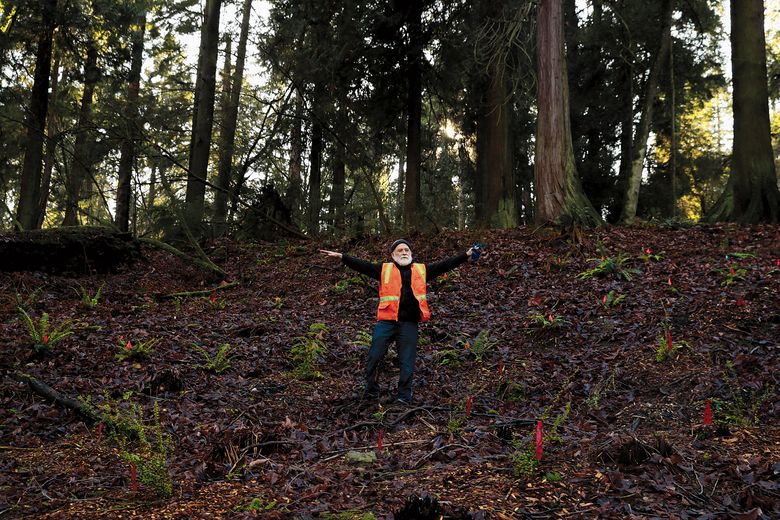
(559, 195)
(751, 194)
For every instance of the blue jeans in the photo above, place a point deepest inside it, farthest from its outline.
(405, 335)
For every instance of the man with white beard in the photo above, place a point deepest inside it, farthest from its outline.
(403, 304)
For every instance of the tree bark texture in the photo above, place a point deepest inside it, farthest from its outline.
(294, 194)
(751, 194)
(82, 148)
(52, 137)
(559, 195)
(228, 134)
(414, 117)
(496, 206)
(639, 144)
(30, 182)
(131, 135)
(203, 119)
(315, 178)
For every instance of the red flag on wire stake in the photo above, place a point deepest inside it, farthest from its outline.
(379, 441)
(538, 440)
(500, 367)
(132, 477)
(707, 412)
(100, 429)
(668, 339)
(469, 401)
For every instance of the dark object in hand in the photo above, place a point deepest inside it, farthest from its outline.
(476, 250)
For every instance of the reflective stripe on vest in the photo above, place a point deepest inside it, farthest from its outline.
(390, 291)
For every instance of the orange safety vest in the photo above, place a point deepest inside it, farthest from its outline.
(390, 291)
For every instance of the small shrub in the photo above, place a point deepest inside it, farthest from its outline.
(137, 350)
(343, 285)
(27, 303)
(215, 303)
(524, 463)
(364, 339)
(455, 426)
(732, 275)
(616, 267)
(217, 364)
(308, 350)
(744, 404)
(480, 345)
(666, 348)
(612, 299)
(89, 300)
(649, 256)
(145, 445)
(547, 322)
(42, 338)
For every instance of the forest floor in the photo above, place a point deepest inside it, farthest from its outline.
(515, 338)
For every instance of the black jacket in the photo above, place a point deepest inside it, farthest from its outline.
(408, 308)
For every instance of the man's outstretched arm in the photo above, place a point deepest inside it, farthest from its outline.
(361, 266)
(448, 264)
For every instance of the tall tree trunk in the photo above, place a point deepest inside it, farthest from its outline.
(202, 118)
(315, 178)
(559, 195)
(414, 63)
(626, 142)
(227, 148)
(52, 137)
(399, 216)
(127, 149)
(30, 183)
(294, 189)
(751, 194)
(82, 148)
(224, 166)
(337, 192)
(639, 148)
(496, 205)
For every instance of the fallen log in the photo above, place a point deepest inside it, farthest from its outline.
(72, 250)
(90, 413)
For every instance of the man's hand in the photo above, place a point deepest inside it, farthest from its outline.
(333, 254)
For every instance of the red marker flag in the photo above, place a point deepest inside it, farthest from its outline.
(604, 299)
(469, 401)
(731, 271)
(550, 318)
(213, 296)
(500, 367)
(379, 441)
(129, 345)
(538, 440)
(707, 413)
(100, 429)
(669, 339)
(647, 251)
(132, 477)
(740, 301)
(669, 281)
(45, 339)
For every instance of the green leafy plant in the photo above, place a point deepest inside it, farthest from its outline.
(216, 303)
(277, 303)
(667, 349)
(547, 322)
(363, 339)
(138, 350)
(524, 463)
(553, 476)
(151, 456)
(612, 299)
(43, 338)
(343, 285)
(600, 391)
(308, 350)
(614, 266)
(89, 300)
(479, 345)
(219, 362)
(740, 255)
(744, 404)
(27, 303)
(732, 275)
(559, 262)
(455, 425)
(380, 413)
(649, 256)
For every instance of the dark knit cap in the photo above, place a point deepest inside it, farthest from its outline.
(398, 243)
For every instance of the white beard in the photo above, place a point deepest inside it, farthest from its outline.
(403, 262)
